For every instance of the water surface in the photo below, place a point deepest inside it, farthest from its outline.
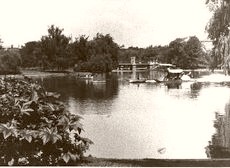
(145, 120)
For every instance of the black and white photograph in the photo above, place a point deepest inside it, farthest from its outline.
(115, 83)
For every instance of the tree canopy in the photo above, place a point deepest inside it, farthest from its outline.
(10, 61)
(187, 54)
(218, 30)
(57, 51)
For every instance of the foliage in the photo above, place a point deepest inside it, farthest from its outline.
(10, 61)
(36, 128)
(183, 52)
(187, 54)
(51, 52)
(97, 55)
(80, 49)
(54, 47)
(156, 53)
(55, 51)
(218, 30)
(31, 54)
(102, 54)
(97, 63)
(1, 47)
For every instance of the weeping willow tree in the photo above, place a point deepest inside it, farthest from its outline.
(218, 29)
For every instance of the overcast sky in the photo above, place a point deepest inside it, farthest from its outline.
(130, 22)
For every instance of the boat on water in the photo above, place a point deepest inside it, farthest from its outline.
(84, 75)
(166, 73)
(173, 78)
(173, 75)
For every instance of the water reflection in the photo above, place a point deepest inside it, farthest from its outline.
(69, 86)
(149, 120)
(195, 89)
(174, 85)
(219, 146)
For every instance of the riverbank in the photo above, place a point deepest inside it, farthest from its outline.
(35, 73)
(102, 162)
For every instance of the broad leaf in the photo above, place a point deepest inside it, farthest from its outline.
(66, 157)
(8, 130)
(77, 126)
(49, 135)
(27, 135)
(65, 122)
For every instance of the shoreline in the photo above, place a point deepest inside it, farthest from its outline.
(91, 161)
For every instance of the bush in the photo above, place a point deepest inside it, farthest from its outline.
(36, 128)
(9, 62)
(97, 63)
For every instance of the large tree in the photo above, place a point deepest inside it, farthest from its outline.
(79, 50)
(31, 54)
(54, 47)
(218, 29)
(187, 53)
(97, 55)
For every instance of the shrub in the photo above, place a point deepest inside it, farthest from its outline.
(9, 62)
(36, 128)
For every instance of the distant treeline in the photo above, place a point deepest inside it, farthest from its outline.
(56, 51)
(187, 53)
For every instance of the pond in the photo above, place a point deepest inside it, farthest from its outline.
(154, 120)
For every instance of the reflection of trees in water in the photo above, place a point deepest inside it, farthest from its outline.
(81, 89)
(219, 146)
(173, 85)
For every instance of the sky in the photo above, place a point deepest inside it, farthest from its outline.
(134, 23)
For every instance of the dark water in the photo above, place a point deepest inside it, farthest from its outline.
(150, 120)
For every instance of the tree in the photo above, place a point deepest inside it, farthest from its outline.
(218, 30)
(196, 55)
(104, 44)
(97, 55)
(81, 48)
(10, 61)
(187, 53)
(177, 53)
(54, 47)
(31, 54)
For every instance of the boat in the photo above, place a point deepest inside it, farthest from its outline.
(173, 75)
(84, 75)
(166, 73)
(173, 78)
(159, 72)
